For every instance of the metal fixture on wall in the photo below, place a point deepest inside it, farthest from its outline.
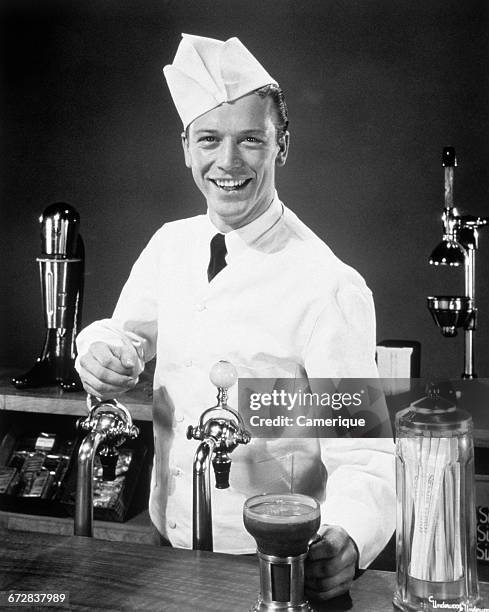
(458, 247)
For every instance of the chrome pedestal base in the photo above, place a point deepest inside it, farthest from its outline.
(281, 584)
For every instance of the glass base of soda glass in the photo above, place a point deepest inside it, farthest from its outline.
(282, 526)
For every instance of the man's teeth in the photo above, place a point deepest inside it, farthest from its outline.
(229, 183)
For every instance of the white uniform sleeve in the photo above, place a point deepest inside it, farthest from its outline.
(135, 318)
(360, 491)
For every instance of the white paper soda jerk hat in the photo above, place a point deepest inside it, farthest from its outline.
(207, 72)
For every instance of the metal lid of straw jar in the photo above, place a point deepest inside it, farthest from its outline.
(435, 416)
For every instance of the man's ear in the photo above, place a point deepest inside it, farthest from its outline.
(186, 152)
(283, 151)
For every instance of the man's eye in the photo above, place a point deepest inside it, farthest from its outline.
(252, 139)
(207, 139)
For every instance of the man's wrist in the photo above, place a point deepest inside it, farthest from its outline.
(358, 571)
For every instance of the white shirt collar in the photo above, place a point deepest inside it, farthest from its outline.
(239, 239)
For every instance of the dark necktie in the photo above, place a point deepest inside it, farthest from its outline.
(218, 256)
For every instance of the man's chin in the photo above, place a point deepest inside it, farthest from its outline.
(229, 217)
(229, 208)
(234, 212)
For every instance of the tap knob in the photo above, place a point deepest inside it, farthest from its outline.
(225, 427)
(223, 375)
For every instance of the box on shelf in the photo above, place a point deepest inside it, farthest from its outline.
(119, 499)
(35, 455)
(38, 466)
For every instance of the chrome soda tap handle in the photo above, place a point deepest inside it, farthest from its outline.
(223, 375)
(108, 425)
(113, 421)
(110, 417)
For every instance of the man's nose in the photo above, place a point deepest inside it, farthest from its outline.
(229, 156)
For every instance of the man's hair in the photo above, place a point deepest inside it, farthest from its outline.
(278, 97)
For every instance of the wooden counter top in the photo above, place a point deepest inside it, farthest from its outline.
(117, 576)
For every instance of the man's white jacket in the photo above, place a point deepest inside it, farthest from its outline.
(284, 307)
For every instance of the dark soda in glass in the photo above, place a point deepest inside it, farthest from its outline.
(282, 524)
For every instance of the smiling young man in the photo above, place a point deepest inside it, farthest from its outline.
(249, 283)
(233, 151)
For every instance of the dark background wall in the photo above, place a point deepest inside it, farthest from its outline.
(375, 88)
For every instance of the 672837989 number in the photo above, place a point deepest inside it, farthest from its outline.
(27, 598)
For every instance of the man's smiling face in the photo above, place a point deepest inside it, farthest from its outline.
(232, 151)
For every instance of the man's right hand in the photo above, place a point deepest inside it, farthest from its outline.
(108, 371)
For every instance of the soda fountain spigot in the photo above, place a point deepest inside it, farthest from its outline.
(460, 241)
(108, 425)
(219, 433)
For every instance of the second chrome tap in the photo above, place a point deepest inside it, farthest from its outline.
(220, 430)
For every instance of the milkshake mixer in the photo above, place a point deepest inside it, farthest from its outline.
(458, 247)
(61, 267)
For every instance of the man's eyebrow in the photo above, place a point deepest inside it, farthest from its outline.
(241, 133)
(253, 131)
(206, 131)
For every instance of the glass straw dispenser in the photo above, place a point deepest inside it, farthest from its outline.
(436, 523)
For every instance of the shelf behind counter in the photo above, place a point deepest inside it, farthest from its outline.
(53, 400)
(56, 404)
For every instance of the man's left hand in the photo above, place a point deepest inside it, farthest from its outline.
(330, 564)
